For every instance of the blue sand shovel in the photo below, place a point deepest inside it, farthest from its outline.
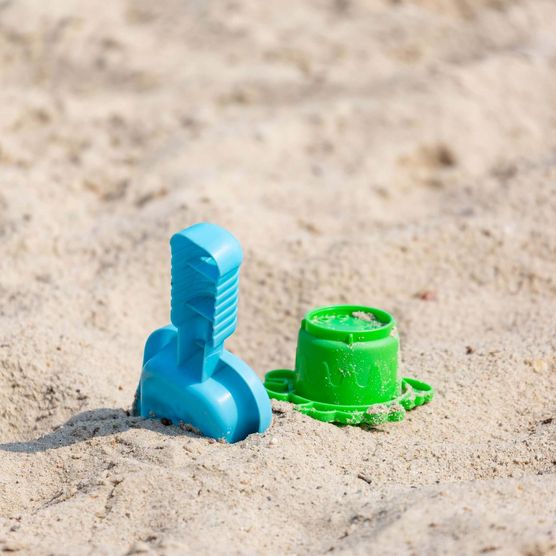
(188, 376)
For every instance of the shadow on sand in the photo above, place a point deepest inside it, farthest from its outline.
(93, 424)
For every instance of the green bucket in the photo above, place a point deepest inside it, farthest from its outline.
(347, 368)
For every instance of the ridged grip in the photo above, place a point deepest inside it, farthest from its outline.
(205, 285)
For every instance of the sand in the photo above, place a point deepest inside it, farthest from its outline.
(397, 154)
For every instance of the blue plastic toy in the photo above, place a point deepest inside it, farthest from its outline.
(188, 376)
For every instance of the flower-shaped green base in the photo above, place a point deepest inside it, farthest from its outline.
(280, 386)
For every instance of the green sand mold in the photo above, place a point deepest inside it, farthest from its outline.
(346, 369)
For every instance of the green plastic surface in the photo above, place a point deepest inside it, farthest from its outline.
(347, 369)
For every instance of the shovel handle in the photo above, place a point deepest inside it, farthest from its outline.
(205, 285)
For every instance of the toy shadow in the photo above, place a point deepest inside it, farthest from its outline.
(93, 424)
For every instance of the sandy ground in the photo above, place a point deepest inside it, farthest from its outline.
(400, 154)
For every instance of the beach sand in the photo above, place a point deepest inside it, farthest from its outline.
(396, 154)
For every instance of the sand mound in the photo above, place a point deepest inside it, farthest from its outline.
(393, 154)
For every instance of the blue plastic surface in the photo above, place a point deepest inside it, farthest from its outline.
(188, 376)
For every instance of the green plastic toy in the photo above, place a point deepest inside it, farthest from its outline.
(347, 369)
